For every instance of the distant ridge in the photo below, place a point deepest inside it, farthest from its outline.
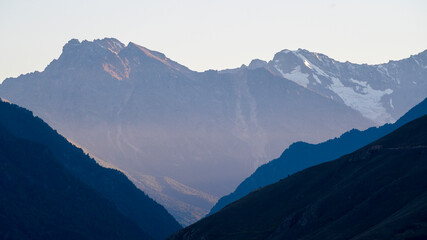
(302, 155)
(376, 192)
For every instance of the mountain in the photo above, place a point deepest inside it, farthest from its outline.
(109, 184)
(40, 199)
(379, 92)
(302, 155)
(184, 137)
(376, 192)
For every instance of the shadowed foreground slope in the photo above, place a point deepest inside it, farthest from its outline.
(302, 155)
(377, 192)
(40, 199)
(111, 184)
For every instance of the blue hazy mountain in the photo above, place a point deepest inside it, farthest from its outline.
(183, 137)
(301, 155)
(376, 192)
(66, 170)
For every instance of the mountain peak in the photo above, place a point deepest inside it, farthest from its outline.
(257, 63)
(111, 44)
(142, 52)
(70, 45)
(113, 56)
(285, 51)
(299, 50)
(73, 41)
(287, 55)
(153, 54)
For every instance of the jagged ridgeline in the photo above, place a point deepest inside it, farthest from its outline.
(51, 189)
(187, 138)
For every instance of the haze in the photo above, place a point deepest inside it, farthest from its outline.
(213, 34)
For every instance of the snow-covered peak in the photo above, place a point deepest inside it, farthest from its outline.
(369, 89)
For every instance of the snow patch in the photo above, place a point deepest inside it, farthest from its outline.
(418, 63)
(307, 64)
(368, 103)
(317, 79)
(296, 76)
(361, 83)
(391, 103)
(310, 65)
(382, 68)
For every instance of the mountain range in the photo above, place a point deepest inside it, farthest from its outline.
(51, 189)
(187, 137)
(302, 155)
(379, 92)
(376, 192)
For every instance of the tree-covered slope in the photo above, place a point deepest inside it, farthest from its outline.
(40, 199)
(111, 184)
(302, 155)
(376, 192)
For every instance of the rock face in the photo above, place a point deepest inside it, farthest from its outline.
(301, 155)
(168, 126)
(376, 192)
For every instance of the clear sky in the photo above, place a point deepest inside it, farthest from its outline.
(214, 34)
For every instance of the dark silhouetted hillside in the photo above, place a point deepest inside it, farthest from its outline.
(376, 192)
(111, 184)
(40, 199)
(302, 155)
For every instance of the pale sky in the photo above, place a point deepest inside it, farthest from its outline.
(214, 34)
